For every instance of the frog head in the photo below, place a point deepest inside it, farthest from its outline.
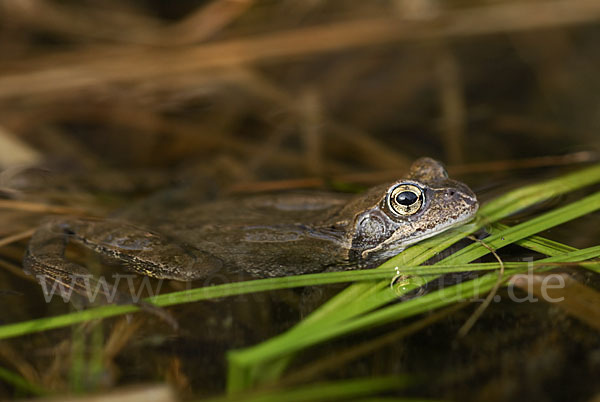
(388, 218)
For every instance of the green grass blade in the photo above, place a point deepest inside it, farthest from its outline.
(546, 246)
(535, 225)
(535, 243)
(219, 291)
(330, 391)
(497, 209)
(527, 196)
(20, 383)
(459, 292)
(309, 335)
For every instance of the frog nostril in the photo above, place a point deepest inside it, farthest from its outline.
(470, 200)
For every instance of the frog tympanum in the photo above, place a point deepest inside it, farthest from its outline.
(264, 235)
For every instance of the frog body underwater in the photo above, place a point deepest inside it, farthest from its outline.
(265, 235)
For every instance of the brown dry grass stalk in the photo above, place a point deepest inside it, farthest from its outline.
(102, 66)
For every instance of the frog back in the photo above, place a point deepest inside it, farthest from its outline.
(266, 235)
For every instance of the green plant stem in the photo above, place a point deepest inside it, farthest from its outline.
(330, 391)
(324, 329)
(291, 342)
(21, 383)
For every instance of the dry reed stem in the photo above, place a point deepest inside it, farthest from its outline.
(466, 327)
(83, 23)
(19, 362)
(370, 150)
(452, 102)
(137, 393)
(206, 21)
(16, 270)
(41, 208)
(312, 132)
(573, 297)
(390, 175)
(120, 335)
(98, 67)
(16, 237)
(14, 152)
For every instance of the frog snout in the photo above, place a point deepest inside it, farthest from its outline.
(461, 192)
(470, 199)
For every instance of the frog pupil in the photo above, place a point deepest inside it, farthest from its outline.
(406, 198)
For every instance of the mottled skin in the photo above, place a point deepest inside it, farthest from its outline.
(263, 235)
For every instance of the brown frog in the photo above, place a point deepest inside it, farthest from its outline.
(264, 235)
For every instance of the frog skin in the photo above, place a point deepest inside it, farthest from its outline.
(265, 235)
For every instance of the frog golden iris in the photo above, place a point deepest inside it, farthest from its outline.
(405, 199)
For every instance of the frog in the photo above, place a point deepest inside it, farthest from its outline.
(262, 235)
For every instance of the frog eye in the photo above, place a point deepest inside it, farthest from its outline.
(405, 199)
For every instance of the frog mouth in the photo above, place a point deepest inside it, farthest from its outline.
(461, 220)
(391, 249)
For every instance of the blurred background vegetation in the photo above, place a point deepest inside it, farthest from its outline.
(105, 102)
